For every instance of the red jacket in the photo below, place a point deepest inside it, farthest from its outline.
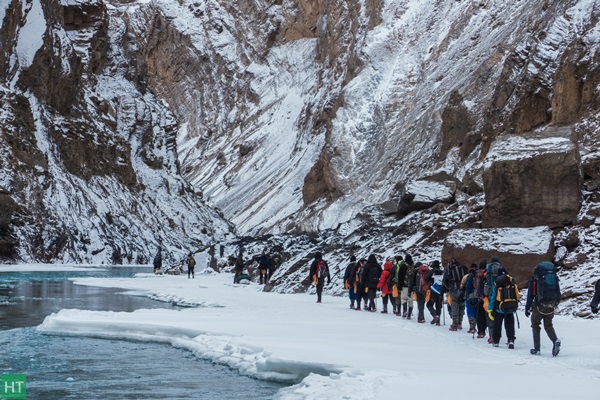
(385, 275)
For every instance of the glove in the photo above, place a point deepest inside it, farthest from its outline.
(595, 310)
(490, 314)
(461, 298)
(527, 313)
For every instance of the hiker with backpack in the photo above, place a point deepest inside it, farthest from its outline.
(596, 298)
(492, 271)
(264, 262)
(452, 279)
(406, 278)
(503, 303)
(420, 288)
(543, 296)
(385, 286)
(157, 262)
(436, 292)
(319, 271)
(349, 278)
(395, 285)
(468, 294)
(359, 286)
(191, 263)
(481, 314)
(372, 273)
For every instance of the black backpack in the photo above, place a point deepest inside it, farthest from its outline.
(455, 274)
(547, 286)
(507, 297)
(373, 274)
(393, 277)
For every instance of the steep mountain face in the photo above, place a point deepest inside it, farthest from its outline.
(296, 115)
(88, 167)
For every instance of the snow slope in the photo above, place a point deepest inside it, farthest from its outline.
(331, 352)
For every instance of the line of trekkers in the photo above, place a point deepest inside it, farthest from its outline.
(487, 293)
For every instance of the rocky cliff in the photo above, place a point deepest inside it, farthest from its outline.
(88, 168)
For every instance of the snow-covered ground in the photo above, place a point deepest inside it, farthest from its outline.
(331, 352)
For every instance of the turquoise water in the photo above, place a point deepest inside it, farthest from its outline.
(59, 367)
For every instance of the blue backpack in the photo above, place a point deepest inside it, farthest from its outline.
(547, 286)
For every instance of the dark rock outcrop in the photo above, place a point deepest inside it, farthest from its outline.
(532, 180)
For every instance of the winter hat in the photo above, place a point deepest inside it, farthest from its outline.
(482, 264)
(495, 259)
(435, 265)
(318, 255)
(372, 259)
(353, 258)
(408, 259)
(418, 264)
(398, 258)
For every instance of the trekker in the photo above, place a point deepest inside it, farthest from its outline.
(359, 286)
(420, 288)
(238, 266)
(394, 285)
(158, 262)
(372, 273)
(543, 295)
(503, 303)
(191, 263)
(405, 280)
(492, 271)
(383, 285)
(264, 262)
(349, 278)
(596, 298)
(452, 278)
(319, 271)
(481, 306)
(436, 292)
(468, 292)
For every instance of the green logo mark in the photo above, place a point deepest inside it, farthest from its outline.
(12, 386)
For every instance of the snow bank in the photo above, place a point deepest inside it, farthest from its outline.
(338, 353)
(504, 240)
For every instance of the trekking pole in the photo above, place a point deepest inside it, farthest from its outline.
(518, 323)
(444, 311)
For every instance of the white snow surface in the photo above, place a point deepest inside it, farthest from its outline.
(331, 352)
(31, 35)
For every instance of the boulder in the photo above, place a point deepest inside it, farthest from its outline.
(532, 180)
(423, 194)
(519, 249)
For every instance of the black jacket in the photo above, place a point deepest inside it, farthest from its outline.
(372, 270)
(350, 273)
(596, 298)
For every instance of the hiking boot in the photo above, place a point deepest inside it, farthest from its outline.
(433, 321)
(357, 308)
(480, 335)
(490, 340)
(405, 314)
(511, 344)
(318, 301)
(384, 312)
(421, 321)
(471, 330)
(535, 352)
(556, 348)
(409, 318)
(459, 326)
(495, 344)
(373, 310)
(453, 328)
